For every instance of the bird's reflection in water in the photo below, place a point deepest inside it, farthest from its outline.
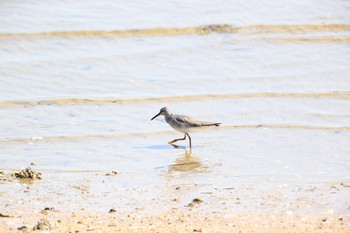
(187, 162)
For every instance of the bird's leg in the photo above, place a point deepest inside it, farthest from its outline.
(189, 139)
(179, 139)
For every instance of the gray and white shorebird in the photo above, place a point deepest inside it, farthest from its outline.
(183, 124)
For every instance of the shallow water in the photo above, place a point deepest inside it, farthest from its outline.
(80, 81)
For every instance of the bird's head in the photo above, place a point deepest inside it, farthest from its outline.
(163, 111)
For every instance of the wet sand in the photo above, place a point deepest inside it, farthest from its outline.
(191, 207)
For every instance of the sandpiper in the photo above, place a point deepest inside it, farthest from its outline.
(183, 124)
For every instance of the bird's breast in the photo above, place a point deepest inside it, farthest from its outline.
(178, 126)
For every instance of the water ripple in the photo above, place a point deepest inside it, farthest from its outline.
(88, 101)
(202, 30)
(148, 134)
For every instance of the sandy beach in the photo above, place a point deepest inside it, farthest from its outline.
(175, 221)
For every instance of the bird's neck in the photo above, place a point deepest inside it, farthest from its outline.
(167, 115)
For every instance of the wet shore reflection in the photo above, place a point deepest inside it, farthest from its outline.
(187, 162)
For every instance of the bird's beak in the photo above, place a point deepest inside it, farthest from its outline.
(155, 116)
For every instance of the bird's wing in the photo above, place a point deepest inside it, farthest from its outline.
(193, 122)
(187, 120)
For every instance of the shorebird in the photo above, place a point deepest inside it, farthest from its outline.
(183, 124)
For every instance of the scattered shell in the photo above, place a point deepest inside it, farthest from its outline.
(33, 163)
(289, 212)
(36, 138)
(112, 210)
(112, 173)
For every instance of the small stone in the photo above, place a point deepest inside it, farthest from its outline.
(190, 204)
(80, 222)
(4, 215)
(194, 201)
(43, 225)
(197, 200)
(22, 228)
(33, 163)
(47, 210)
(28, 173)
(112, 210)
